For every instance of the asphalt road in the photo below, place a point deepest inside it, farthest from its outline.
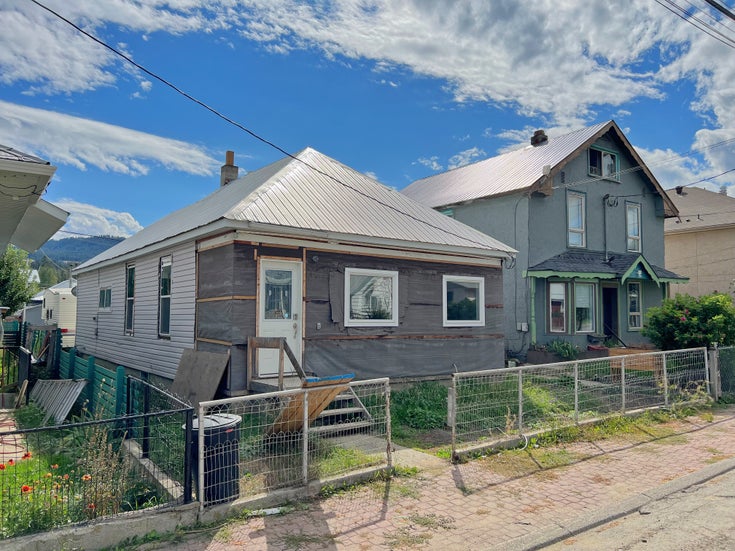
(699, 517)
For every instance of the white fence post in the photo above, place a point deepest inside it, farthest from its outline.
(388, 427)
(520, 401)
(622, 383)
(200, 457)
(452, 412)
(576, 393)
(305, 443)
(665, 380)
(714, 372)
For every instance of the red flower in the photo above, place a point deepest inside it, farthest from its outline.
(54, 466)
(683, 318)
(91, 506)
(27, 455)
(87, 477)
(2, 466)
(25, 489)
(11, 462)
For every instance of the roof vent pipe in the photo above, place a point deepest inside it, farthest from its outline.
(539, 138)
(723, 190)
(229, 171)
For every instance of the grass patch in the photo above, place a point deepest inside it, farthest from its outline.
(296, 542)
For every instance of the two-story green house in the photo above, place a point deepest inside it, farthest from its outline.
(587, 218)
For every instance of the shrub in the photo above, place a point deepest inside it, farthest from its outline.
(564, 349)
(688, 322)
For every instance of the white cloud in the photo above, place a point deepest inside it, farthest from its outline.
(91, 220)
(430, 162)
(81, 142)
(465, 157)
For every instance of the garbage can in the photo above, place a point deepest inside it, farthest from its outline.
(221, 456)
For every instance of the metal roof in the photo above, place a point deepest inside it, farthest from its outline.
(7, 153)
(316, 193)
(517, 170)
(700, 209)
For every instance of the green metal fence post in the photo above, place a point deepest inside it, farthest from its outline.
(72, 361)
(120, 399)
(91, 383)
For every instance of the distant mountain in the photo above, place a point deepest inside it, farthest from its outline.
(73, 249)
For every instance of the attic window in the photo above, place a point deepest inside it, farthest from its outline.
(603, 164)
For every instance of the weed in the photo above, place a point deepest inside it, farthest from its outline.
(296, 542)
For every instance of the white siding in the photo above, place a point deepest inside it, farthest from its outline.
(101, 334)
(63, 306)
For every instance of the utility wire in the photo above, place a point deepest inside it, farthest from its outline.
(722, 9)
(703, 26)
(247, 130)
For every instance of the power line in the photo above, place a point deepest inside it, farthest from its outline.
(722, 9)
(247, 130)
(684, 15)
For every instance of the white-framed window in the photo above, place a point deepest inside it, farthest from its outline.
(464, 301)
(635, 312)
(557, 307)
(105, 302)
(576, 223)
(584, 307)
(371, 297)
(633, 226)
(164, 297)
(603, 164)
(129, 298)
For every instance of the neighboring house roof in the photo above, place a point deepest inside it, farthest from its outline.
(26, 220)
(313, 195)
(700, 209)
(594, 265)
(519, 170)
(38, 297)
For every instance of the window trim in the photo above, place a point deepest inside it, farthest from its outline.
(639, 313)
(602, 151)
(639, 238)
(549, 313)
(164, 261)
(393, 321)
(129, 301)
(480, 322)
(580, 231)
(105, 296)
(593, 306)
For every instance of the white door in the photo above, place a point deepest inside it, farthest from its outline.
(280, 312)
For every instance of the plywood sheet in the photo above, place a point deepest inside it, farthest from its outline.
(199, 375)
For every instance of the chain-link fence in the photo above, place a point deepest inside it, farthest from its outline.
(94, 467)
(258, 443)
(499, 404)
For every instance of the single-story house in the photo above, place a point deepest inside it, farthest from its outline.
(357, 278)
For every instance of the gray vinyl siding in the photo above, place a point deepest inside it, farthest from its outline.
(101, 334)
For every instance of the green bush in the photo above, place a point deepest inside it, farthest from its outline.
(564, 349)
(688, 322)
(422, 406)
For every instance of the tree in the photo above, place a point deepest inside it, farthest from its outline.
(15, 287)
(688, 322)
(48, 275)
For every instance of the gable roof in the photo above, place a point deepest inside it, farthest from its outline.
(315, 196)
(594, 265)
(700, 209)
(520, 170)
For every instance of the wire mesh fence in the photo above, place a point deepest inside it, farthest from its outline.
(499, 404)
(726, 364)
(259, 443)
(91, 468)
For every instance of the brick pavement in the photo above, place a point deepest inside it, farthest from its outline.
(11, 446)
(487, 502)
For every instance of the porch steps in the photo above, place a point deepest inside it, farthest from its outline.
(346, 413)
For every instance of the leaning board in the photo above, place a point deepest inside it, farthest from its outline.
(321, 393)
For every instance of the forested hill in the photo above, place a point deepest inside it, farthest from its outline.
(73, 249)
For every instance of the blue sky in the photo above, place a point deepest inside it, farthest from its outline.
(398, 89)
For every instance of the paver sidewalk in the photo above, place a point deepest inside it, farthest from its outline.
(490, 502)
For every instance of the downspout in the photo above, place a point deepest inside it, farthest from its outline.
(532, 304)
(604, 224)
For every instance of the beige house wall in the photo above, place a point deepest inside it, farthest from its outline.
(707, 257)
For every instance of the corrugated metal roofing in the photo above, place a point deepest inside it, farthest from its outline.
(700, 209)
(9, 154)
(315, 192)
(509, 172)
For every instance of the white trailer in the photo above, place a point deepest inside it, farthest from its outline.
(60, 308)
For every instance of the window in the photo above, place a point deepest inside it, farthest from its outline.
(129, 297)
(633, 226)
(278, 294)
(464, 301)
(584, 307)
(635, 316)
(371, 297)
(105, 303)
(557, 307)
(576, 220)
(164, 297)
(603, 164)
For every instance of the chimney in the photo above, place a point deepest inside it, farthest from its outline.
(539, 138)
(680, 190)
(229, 171)
(723, 190)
